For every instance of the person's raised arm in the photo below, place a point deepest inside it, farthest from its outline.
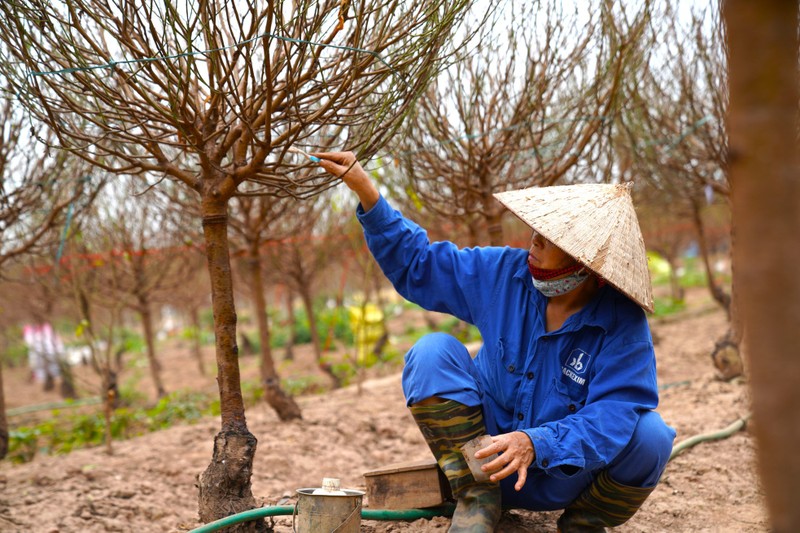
(344, 165)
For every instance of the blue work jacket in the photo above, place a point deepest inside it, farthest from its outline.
(577, 392)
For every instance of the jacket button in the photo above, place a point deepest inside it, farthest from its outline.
(520, 416)
(529, 375)
(571, 408)
(510, 368)
(545, 463)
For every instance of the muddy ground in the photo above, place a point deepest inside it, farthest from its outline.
(148, 484)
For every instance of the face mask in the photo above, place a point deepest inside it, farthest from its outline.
(558, 287)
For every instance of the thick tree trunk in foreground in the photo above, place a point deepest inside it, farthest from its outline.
(763, 59)
(224, 487)
(284, 405)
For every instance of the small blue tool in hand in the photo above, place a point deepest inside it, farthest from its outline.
(312, 158)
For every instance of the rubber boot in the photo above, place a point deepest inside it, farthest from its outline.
(605, 503)
(446, 427)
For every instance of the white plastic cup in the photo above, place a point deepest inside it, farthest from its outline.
(331, 486)
(469, 449)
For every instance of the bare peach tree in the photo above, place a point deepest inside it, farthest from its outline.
(88, 277)
(522, 111)
(299, 261)
(140, 235)
(258, 220)
(40, 191)
(212, 94)
(674, 139)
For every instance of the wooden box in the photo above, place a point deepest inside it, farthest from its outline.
(407, 485)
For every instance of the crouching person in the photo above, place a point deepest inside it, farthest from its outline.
(565, 382)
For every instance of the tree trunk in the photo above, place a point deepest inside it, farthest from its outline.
(149, 338)
(676, 291)
(196, 338)
(726, 355)
(473, 230)
(494, 222)
(291, 319)
(763, 59)
(284, 405)
(326, 367)
(3, 420)
(109, 403)
(67, 380)
(109, 383)
(717, 292)
(224, 487)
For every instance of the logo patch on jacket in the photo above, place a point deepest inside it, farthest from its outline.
(577, 363)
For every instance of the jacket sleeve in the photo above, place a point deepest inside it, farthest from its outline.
(622, 386)
(437, 276)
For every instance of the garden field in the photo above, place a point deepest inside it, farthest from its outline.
(148, 483)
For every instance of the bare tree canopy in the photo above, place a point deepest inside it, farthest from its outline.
(39, 189)
(521, 111)
(192, 89)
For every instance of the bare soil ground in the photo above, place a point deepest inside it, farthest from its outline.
(148, 484)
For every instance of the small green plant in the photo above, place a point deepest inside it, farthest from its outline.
(278, 337)
(252, 391)
(22, 444)
(129, 393)
(668, 306)
(302, 329)
(337, 319)
(130, 341)
(190, 333)
(295, 386)
(15, 355)
(16, 352)
(345, 370)
(692, 273)
(460, 330)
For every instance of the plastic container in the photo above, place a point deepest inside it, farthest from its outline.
(469, 449)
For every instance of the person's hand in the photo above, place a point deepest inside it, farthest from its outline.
(517, 455)
(344, 165)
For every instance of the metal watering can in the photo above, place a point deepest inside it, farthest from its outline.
(328, 509)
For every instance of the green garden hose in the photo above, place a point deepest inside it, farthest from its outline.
(714, 435)
(288, 510)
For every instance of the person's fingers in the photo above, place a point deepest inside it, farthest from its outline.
(509, 469)
(496, 464)
(341, 164)
(494, 447)
(334, 168)
(522, 478)
(341, 158)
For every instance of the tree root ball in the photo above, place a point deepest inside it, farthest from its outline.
(225, 485)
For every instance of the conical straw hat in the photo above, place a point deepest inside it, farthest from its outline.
(594, 223)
